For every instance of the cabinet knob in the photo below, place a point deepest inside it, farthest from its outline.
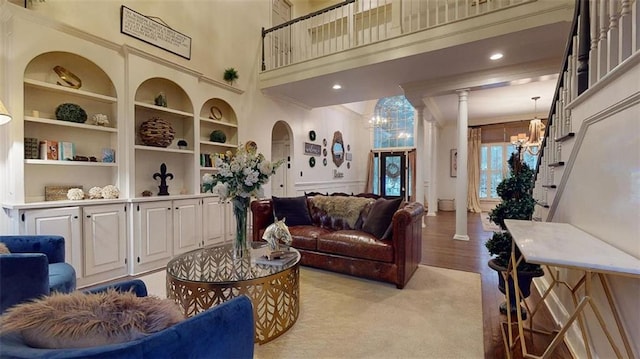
(176, 207)
(88, 216)
(75, 217)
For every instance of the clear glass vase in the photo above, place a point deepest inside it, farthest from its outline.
(240, 244)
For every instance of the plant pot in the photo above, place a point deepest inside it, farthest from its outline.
(524, 281)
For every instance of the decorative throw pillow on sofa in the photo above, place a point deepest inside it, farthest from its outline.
(4, 249)
(81, 320)
(380, 216)
(294, 209)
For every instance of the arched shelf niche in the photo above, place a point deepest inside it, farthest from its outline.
(50, 80)
(216, 115)
(160, 98)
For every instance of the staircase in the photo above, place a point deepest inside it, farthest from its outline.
(588, 173)
(602, 48)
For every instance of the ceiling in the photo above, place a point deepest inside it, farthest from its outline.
(500, 91)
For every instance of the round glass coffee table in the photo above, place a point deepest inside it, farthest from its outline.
(206, 277)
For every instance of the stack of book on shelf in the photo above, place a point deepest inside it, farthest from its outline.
(57, 150)
(205, 160)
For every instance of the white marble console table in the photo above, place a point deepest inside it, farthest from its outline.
(563, 245)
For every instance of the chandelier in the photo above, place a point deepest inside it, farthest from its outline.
(377, 121)
(532, 142)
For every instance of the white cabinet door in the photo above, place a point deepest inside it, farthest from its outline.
(104, 239)
(63, 222)
(187, 225)
(153, 226)
(212, 221)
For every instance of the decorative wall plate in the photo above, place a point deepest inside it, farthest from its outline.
(312, 135)
(312, 162)
(324, 161)
(215, 113)
(69, 79)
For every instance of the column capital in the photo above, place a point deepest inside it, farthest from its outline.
(463, 92)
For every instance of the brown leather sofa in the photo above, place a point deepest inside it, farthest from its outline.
(333, 244)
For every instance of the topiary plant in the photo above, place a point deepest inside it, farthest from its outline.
(517, 203)
(230, 75)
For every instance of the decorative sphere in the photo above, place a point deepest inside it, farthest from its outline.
(95, 193)
(218, 136)
(71, 112)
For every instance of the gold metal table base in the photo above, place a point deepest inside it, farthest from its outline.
(580, 302)
(275, 297)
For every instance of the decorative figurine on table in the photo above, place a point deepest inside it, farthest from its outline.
(277, 233)
(164, 189)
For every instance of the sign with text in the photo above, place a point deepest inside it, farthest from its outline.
(153, 32)
(312, 149)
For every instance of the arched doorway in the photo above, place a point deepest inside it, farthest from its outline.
(281, 136)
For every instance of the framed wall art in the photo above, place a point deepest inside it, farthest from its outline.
(453, 169)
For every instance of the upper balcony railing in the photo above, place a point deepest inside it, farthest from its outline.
(355, 23)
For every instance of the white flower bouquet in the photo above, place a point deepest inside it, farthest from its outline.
(239, 175)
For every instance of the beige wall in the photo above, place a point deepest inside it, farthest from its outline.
(225, 33)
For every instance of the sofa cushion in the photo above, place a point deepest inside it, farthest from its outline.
(305, 237)
(294, 209)
(380, 216)
(357, 244)
(81, 320)
(4, 249)
(62, 278)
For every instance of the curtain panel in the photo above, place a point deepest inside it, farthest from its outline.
(412, 171)
(474, 136)
(368, 188)
(502, 132)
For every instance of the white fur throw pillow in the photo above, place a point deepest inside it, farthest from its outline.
(4, 249)
(80, 320)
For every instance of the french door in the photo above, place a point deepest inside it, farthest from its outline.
(393, 174)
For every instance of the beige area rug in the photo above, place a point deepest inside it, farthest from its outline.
(437, 315)
(487, 225)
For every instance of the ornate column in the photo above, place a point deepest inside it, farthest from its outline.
(432, 166)
(420, 156)
(462, 175)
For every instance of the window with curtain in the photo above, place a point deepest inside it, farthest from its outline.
(494, 153)
(392, 123)
(494, 167)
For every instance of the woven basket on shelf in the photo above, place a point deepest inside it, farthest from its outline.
(156, 132)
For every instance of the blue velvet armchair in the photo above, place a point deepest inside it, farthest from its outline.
(35, 267)
(224, 331)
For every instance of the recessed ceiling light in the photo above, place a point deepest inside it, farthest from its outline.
(337, 87)
(496, 56)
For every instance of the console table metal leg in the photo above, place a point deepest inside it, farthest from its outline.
(605, 286)
(586, 280)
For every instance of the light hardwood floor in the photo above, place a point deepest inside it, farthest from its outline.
(439, 249)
